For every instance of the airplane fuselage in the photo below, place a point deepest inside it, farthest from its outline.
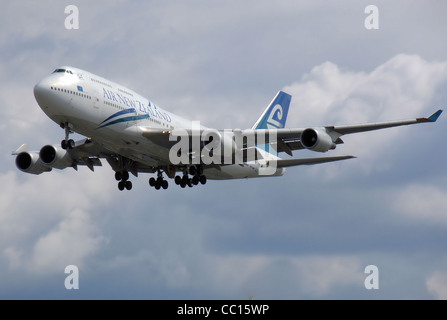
(115, 117)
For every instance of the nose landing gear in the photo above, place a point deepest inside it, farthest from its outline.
(67, 143)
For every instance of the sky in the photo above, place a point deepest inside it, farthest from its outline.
(309, 234)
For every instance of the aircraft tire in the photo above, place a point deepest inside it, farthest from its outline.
(70, 144)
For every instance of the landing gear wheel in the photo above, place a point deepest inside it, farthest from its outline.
(70, 144)
(202, 179)
(121, 185)
(128, 185)
(195, 180)
(67, 144)
(178, 180)
(152, 181)
(125, 176)
(164, 184)
(118, 176)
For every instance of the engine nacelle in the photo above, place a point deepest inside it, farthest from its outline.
(222, 143)
(317, 140)
(54, 157)
(31, 163)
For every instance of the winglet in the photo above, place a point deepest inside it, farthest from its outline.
(434, 116)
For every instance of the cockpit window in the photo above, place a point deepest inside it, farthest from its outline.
(62, 70)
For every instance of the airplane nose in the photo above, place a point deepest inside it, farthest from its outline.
(40, 90)
(42, 93)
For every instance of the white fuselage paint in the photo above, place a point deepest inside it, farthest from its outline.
(86, 101)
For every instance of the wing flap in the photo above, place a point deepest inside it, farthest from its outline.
(282, 163)
(159, 137)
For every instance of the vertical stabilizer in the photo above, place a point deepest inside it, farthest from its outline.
(274, 117)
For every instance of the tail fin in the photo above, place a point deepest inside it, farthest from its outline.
(274, 117)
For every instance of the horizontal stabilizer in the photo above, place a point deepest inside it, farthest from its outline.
(282, 163)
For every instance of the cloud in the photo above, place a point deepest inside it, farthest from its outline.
(424, 203)
(70, 242)
(437, 284)
(404, 87)
(303, 235)
(46, 221)
(401, 87)
(283, 277)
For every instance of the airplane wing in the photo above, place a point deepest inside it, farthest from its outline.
(382, 125)
(320, 139)
(86, 152)
(323, 138)
(282, 163)
(158, 136)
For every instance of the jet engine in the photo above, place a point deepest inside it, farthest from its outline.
(317, 140)
(31, 163)
(222, 143)
(54, 157)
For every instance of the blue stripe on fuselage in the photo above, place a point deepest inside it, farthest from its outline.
(125, 119)
(119, 113)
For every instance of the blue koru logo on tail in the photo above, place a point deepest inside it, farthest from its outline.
(275, 117)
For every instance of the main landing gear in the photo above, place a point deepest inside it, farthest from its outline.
(67, 143)
(159, 182)
(122, 166)
(195, 171)
(124, 183)
(197, 177)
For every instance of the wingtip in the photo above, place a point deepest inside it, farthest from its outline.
(22, 148)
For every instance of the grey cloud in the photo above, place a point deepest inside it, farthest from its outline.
(308, 234)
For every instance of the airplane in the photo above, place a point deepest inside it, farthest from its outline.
(134, 135)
